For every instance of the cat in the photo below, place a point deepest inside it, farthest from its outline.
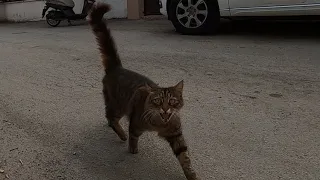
(148, 106)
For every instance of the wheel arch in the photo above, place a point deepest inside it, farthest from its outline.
(169, 2)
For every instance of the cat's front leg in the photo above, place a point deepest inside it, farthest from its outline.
(134, 135)
(180, 149)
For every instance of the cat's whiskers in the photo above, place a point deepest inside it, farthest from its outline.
(172, 113)
(148, 115)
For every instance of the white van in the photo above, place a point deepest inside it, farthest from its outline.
(203, 16)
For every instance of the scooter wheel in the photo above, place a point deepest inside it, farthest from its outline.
(53, 23)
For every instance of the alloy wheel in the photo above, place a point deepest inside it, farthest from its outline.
(192, 13)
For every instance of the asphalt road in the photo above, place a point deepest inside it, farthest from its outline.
(252, 101)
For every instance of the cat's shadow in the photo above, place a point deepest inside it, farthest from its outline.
(105, 156)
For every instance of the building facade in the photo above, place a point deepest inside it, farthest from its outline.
(31, 10)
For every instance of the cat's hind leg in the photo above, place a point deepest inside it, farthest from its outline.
(113, 121)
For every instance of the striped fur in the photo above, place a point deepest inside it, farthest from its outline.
(147, 106)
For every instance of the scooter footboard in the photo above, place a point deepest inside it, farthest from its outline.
(56, 15)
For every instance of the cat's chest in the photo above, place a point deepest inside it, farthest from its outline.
(159, 126)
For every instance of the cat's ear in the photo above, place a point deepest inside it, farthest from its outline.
(179, 87)
(146, 87)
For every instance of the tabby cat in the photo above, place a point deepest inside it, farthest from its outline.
(147, 106)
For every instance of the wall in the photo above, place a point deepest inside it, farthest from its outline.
(31, 10)
(119, 8)
(2, 12)
(135, 9)
(24, 11)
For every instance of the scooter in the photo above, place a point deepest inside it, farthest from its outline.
(63, 10)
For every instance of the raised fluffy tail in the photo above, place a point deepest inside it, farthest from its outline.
(108, 50)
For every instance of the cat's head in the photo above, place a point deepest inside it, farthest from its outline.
(164, 103)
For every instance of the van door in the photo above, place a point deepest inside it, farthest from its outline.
(313, 7)
(267, 7)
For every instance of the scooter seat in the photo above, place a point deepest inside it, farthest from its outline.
(56, 6)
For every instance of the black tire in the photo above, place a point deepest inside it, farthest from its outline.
(52, 22)
(210, 24)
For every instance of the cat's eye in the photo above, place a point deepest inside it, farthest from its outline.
(173, 101)
(156, 101)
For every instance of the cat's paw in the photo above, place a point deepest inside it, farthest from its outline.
(197, 178)
(133, 150)
(123, 137)
(193, 177)
(109, 124)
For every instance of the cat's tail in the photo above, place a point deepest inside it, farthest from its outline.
(108, 50)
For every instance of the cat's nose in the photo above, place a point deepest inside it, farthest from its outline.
(165, 111)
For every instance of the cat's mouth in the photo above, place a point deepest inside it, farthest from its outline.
(166, 117)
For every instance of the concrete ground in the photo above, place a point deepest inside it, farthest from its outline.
(252, 101)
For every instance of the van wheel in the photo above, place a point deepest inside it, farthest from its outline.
(194, 16)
